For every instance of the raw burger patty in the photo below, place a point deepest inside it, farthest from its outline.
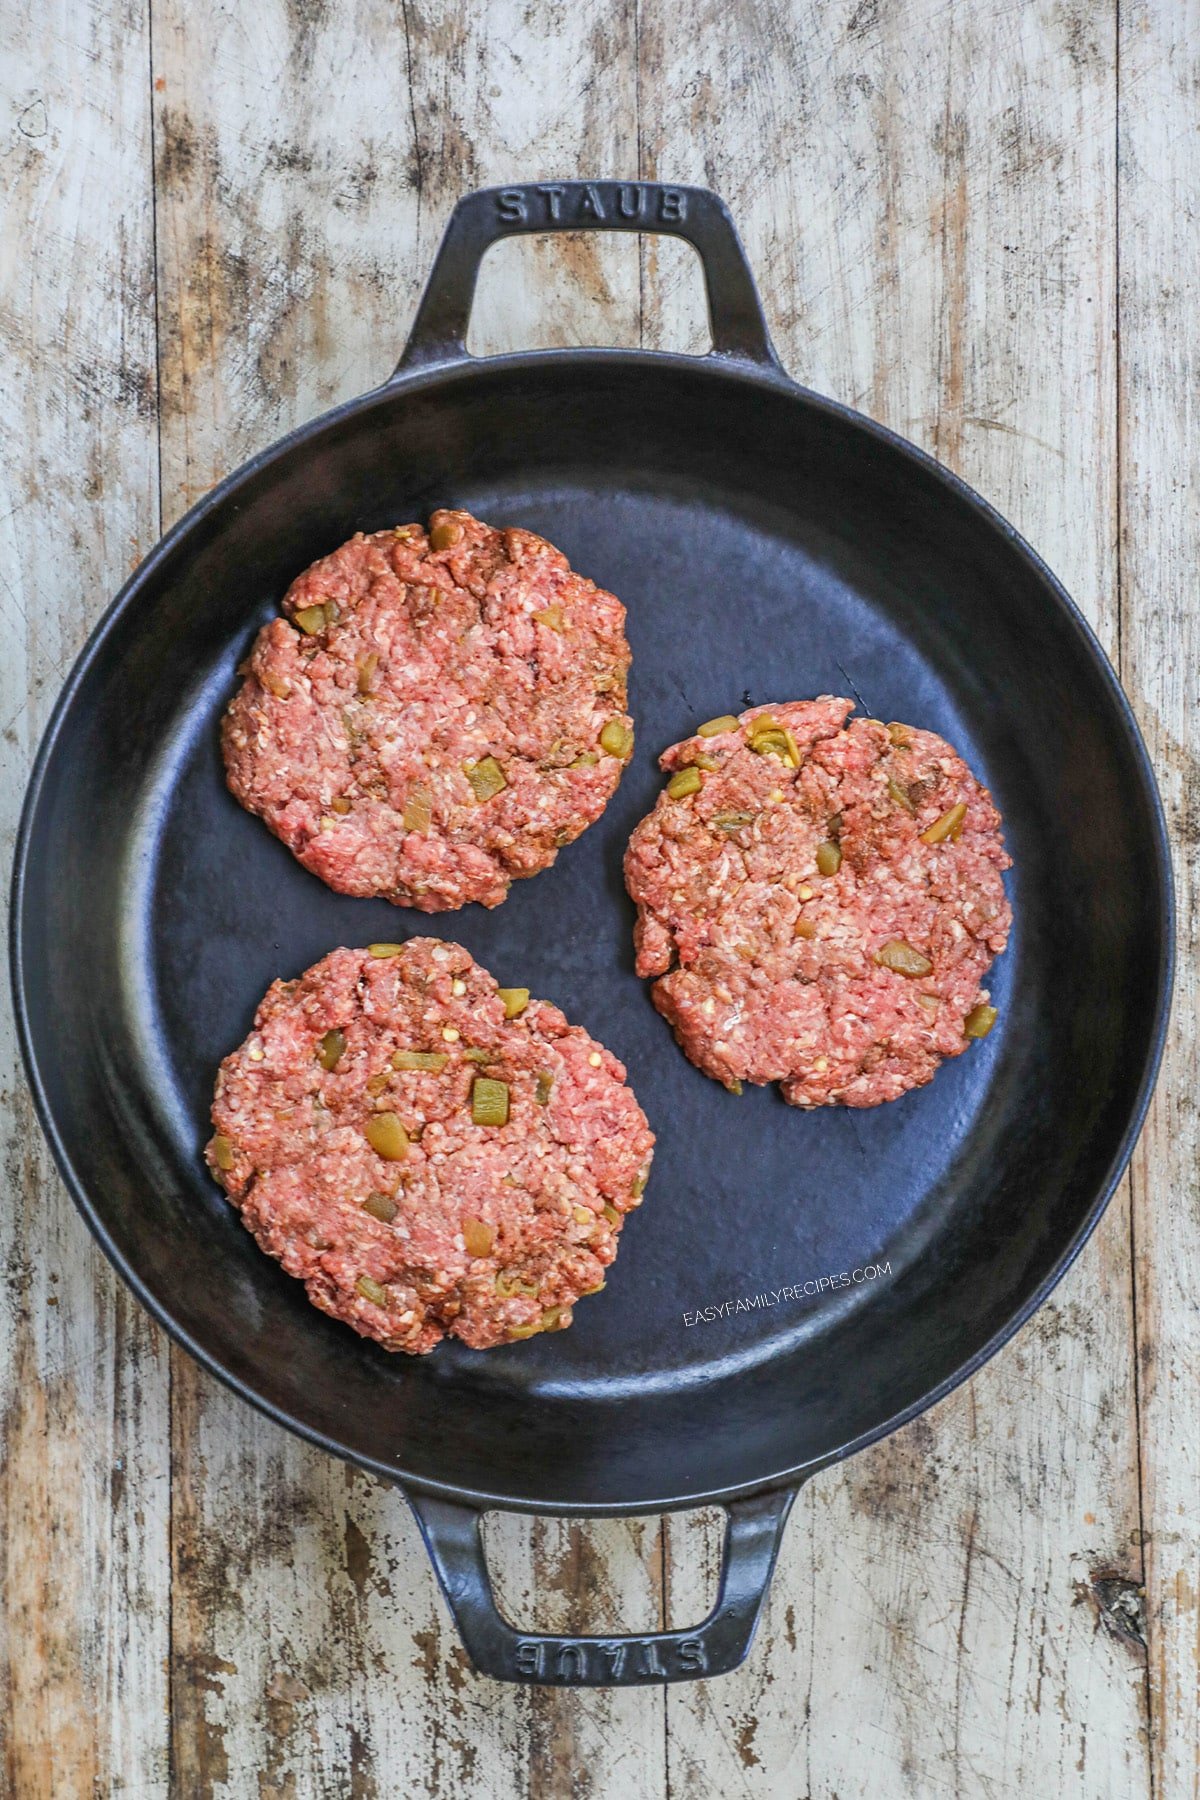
(374, 1184)
(847, 986)
(425, 722)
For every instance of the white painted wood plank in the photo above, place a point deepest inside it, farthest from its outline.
(83, 1375)
(297, 216)
(596, 1575)
(927, 196)
(1160, 664)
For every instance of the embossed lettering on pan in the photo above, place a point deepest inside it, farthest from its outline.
(592, 203)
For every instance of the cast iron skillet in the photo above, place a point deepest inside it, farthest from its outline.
(770, 545)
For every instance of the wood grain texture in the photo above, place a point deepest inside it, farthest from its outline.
(937, 201)
(311, 1652)
(83, 1377)
(1160, 666)
(930, 209)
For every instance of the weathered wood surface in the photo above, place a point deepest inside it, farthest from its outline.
(932, 212)
(310, 1646)
(1159, 449)
(975, 223)
(84, 1494)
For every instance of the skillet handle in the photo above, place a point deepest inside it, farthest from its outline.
(753, 1530)
(439, 332)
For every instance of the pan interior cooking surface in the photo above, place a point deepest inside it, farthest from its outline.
(748, 1196)
(766, 550)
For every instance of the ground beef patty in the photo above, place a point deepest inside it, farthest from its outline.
(820, 900)
(436, 715)
(349, 1133)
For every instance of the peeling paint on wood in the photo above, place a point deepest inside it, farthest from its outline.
(83, 1374)
(312, 1652)
(930, 209)
(1160, 666)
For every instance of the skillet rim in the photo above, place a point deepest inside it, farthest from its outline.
(449, 373)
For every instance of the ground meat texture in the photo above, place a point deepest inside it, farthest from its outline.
(436, 714)
(374, 1184)
(774, 897)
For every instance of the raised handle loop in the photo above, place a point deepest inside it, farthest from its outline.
(439, 332)
(719, 1643)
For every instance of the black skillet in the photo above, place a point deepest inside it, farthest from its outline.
(769, 545)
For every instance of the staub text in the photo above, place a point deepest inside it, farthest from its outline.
(587, 202)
